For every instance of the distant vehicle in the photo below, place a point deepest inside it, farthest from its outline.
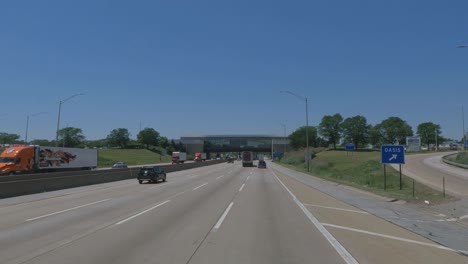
(120, 165)
(151, 174)
(230, 160)
(261, 164)
(200, 156)
(179, 157)
(34, 159)
(247, 158)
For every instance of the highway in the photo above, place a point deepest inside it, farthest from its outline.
(217, 214)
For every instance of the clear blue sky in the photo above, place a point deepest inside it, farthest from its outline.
(216, 67)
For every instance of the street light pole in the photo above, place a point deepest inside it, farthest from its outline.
(27, 125)
(26, 134)
(463, 112)
(58, 119)
(463, 125)
(307, 125)
(284, 145)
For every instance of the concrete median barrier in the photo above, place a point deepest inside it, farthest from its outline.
(17, 185)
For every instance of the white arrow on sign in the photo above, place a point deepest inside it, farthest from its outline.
(394, 156)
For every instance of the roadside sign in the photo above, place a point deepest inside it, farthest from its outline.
(392, 154)
(466, 143)
(413, 143)
(350, 147)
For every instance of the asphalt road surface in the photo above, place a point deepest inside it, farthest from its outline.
(218, 214)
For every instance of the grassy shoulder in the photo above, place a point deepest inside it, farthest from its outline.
(361, 170)
(462, 158)
(107, 157)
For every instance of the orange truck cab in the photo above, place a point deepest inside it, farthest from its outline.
(17, 160)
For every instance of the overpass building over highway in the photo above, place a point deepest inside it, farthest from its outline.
(235, 143)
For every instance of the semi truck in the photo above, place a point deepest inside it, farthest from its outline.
(247, 159)
(34, 159)
(200, 156)
(179, 157)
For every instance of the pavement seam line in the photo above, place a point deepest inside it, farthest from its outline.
(140, 213)
(389, 236)
(219, 177)
(198, 187)
(66, 210)
(336, 208)
(242, 187)
(347, 257)
(221, 219)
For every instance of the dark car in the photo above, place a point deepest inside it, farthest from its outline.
(120, 165)
(262, 164)
(151, 174)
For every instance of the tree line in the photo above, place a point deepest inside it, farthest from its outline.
(334, 130)
(73, 137)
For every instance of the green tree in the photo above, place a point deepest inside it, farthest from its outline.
(118, 137)
(330, 128)
(356, 130)
(6, 138)
(164, 142)
(70, 137)
(148, 136)
(374, 136)
(41, 142)
(428, 131)
(394, 130)
(298, 138)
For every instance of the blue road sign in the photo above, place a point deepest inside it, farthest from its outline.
(350, 147)
(466, 143)
(393, 154)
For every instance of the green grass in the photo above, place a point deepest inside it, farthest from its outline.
(107, 157)
(462, 158)
(361, 170)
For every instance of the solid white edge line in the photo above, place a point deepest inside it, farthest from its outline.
(221, 219)
(388, 236)
(347, 257)
(63, 211)
(198, 187)
(336, 208)
(248, 177)
(242, 187)
(145, 211)
(219, 177)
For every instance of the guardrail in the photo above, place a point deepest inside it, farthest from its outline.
(17, 185)
(453, 163)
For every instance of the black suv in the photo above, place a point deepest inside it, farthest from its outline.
(261, 164)
(151, 174)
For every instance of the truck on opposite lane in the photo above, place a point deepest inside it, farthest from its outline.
(200, 156)
(35, 159)
(179, 157)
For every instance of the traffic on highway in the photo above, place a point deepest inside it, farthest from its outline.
(223, 213)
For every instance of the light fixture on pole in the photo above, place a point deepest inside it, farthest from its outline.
(307, 124)
(27, 126)
(58, 119)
